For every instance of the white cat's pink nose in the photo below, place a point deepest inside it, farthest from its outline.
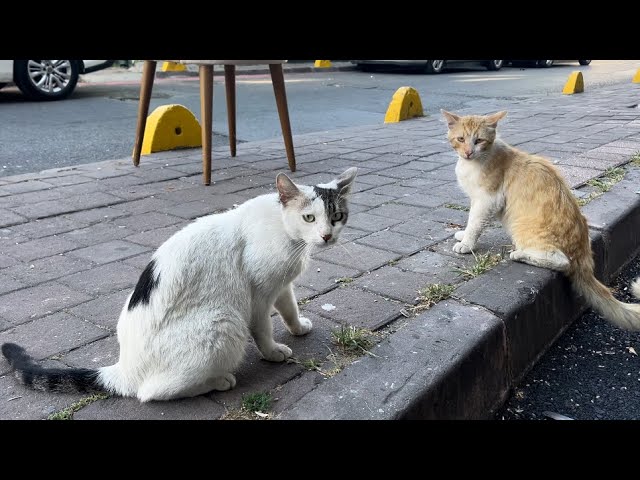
(327, 237)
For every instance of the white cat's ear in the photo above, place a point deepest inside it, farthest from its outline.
(492, 120)
(286, 188)
(345, 180)
(451, 118)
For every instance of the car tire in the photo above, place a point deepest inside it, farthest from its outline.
(434, 66)
(584, 62)
(46, 79)
(494, 64)
(544, 63)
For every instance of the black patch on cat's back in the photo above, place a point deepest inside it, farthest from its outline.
(144, 287)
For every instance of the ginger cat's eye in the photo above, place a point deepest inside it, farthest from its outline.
(479, 140)
(460, 139)
(309, 218)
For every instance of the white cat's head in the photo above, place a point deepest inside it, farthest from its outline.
(315, 214)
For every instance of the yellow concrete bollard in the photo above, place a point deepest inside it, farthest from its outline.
(322, 63)
(575, 84)
(636, 77)
(173, 67)
(170, 127)
(404, 104)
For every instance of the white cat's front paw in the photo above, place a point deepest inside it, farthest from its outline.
(459, 235)
(461, 247)
(279, 353)
(304, 326)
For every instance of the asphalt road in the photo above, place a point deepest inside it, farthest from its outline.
(591, 373)
(98, 121)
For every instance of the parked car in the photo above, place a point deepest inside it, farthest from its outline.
(429, 66)
(547, 63)
(47, 79)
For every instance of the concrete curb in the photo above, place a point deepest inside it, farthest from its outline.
(262, 70)
(459, 359)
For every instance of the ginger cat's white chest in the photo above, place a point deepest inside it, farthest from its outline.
(470, 178)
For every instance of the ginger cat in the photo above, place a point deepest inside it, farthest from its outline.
(536, 207)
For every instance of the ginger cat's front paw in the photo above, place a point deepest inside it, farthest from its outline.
(459, 235)
(304, 327)
(461, 247)
(279, 353)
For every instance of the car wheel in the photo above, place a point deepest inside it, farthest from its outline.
(434, 66)
(584, 62)
(494, 64)
(46, 79)
(544, 63)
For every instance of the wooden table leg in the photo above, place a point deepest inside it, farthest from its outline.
(206, 107)
(148, 74)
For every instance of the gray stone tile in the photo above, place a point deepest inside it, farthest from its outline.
(394, 283)
(8, 283)
(320, 276)
(352, 306)
(576, 175)
(41, 247)
(357, 257)
(371, 223)
(99, 353)
(373, 179)
(155, 238)
(9, 218)
(434, 267)
(425, 228)
(198, 408)
(200, 208)
(24, 187)
(97, 233)
(109, 251)
(394, 210)
(422, 200)
(104, 310)
(370, 199)
(395, 242)
(46, 227)
(103, 279)
(139, 261)
(49, 268)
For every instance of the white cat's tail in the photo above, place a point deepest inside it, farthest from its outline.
(624, 315)
(66, 380)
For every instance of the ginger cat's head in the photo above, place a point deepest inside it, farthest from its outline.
(472, 135)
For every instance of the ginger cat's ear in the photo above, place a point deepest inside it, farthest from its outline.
(451, 118)
(492, 120)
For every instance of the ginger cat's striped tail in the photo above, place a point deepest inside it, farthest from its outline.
(598, 296)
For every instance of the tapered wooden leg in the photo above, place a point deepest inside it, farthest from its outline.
(277, 78)
(148, 73)
(206, 107)
(230, 85)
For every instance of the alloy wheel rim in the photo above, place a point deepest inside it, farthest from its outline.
(49, 76)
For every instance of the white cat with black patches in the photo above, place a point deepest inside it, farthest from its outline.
(183, 330)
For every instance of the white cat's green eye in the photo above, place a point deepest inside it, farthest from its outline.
(460, 139)
(309, 218)
(337, 216)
